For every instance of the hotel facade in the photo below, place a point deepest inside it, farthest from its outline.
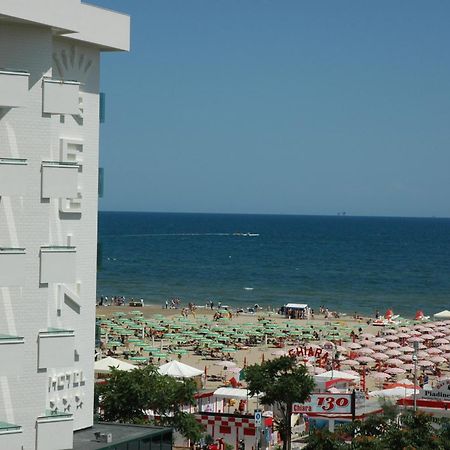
(49, 149)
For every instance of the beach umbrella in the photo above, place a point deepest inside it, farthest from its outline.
(428, 337)
(434, 351)
(353, 345)
(406, 349)
(393, 352)
(445, 347)
(365, 359)
(367, 343)
(366, 351)
(403, 335)
(392, 345)
(229, 350)
(408, 366)
(379, 340)
(391, 337)
(381, 375)
(416, 339)
(394, 362)
(349, 362)
(379, 356)
(425, 363)
(406, 357)
(395, 370)
(437, 359)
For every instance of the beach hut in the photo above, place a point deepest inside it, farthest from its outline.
(177, 369)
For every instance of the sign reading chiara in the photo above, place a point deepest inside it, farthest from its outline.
(308, 352)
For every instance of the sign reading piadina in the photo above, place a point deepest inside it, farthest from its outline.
(441, 391)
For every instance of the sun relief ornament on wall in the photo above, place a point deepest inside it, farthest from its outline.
(72, 65)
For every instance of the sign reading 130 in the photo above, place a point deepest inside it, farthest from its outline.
(325, 402)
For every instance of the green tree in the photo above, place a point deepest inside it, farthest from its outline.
(280, 382)
(127, 395)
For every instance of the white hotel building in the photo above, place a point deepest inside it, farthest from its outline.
(49, 151)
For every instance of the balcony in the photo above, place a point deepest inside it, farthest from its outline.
(12, 353)
(56, 348)
(13, 88)
(61, 97)
(11, 436)
(13, 176)
(59, 179)
(12, 266)
(58, 264)
(54, 431)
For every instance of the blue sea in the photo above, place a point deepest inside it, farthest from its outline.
(346, 263)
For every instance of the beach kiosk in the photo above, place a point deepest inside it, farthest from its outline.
(297, 311)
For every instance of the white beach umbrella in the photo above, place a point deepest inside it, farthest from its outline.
(403, 335)
(406, 357)
(428, 337)
(395, 370)
(390, 331)
(406, 349)
(425, 363)
(393, 352)
(365, 351)
(438, 359)
(442, 340)
(379, 356)
(353, 345)
(379, 340)
(365, 359)
(392, 345)
(381, 375)
(408, 366)
(350, 362)
(416, 339)
(367, 343)
(445, 347)
(394, 362)
(434, 351)
(392, 337)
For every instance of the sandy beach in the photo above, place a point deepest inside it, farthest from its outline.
(248, 354)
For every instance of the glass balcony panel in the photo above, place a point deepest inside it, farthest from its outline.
(56, 349)
(61, 97)
(13, 88)
(13, 179)
(58, 264)
(59, 179)
(12, 354)
(12, 267)
(54, 432)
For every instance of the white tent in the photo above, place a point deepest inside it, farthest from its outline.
(399, 392)
(177, 369)
(225, 392)
(335, 374)
(443, 314)
(296, 306)
(104, 365)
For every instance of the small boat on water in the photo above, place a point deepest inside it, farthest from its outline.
(246, 234)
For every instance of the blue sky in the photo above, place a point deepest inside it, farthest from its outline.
(279, 106)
